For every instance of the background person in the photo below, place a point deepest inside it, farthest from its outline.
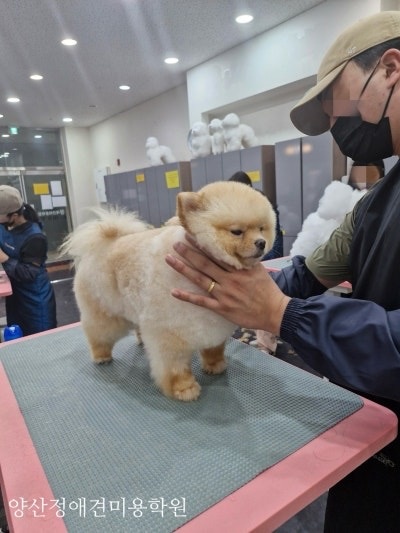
(355, 342)
(23, 253)
(363, 176)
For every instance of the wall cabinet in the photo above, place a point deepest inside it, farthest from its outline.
(258, 162)
(304, 167)
(151, 191)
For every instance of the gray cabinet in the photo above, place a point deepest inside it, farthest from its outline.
(151, 191)
(304, 167)
(147, 195)
(121, 190)
(289, 189)
(206, 170)
(258, 162)
(231, 163)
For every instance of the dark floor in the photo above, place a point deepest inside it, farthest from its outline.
(310, 519)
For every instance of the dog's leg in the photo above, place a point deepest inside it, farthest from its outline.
(102, 333)
(138, 336)
(213, 359)
(180, 385)
(170, 361)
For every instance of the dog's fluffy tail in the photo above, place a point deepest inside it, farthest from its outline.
(109, 225)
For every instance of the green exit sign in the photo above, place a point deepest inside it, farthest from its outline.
(13, 130)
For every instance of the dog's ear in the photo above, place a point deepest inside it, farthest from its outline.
(187, 202)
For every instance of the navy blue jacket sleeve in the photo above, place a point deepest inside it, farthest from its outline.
(27, 267)
(355, 343)
(19, 271)
(297, 280)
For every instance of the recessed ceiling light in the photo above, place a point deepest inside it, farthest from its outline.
(38, 136)
(1, 116)
(124, 87)
(244, 19)
(36, 77)
(5, 135)
(69, 42)
(171, 60)
(67, 119)
(13, 100)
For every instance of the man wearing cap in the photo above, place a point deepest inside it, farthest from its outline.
(23, 253)
(354, 342)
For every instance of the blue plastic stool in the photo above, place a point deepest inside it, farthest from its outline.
(12, 332)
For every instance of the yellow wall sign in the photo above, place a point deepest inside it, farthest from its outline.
(41, 188)
(172, 179)
(254, 175)
(139, 178)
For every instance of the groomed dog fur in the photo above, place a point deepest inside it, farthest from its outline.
(123, 283)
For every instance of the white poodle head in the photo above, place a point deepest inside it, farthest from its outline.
(231, 121)
(151, 142)
(215, 125)
(199, 129)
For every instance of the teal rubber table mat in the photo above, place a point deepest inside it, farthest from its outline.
(120, 456)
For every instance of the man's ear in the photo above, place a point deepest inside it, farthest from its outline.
(187, 202)
(391, 62)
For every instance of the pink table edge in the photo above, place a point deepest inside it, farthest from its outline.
(21, 472)
(5, 285)
(261, 505)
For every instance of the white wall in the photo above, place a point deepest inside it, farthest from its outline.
(124, 136)
(78, 159)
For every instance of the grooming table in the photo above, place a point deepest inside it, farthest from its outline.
(98, 448)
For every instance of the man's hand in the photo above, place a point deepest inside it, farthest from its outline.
(248, 298)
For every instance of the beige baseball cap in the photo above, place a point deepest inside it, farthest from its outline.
(308, 115)
(10, 201)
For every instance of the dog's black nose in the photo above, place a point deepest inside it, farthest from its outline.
(260, 243)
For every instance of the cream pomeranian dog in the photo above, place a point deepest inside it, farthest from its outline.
(123, 283)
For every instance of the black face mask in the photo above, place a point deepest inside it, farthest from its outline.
(363, 141)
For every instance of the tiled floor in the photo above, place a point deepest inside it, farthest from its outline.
(310, 519)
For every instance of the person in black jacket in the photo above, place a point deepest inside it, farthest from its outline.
(23, 253)
(355, 342)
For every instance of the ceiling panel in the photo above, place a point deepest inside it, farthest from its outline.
(119, 42)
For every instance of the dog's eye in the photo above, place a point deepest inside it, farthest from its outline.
(236, 231)
(262, 228)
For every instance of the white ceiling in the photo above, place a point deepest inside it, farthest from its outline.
(119, 42)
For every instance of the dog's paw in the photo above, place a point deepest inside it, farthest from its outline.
(187, 393)
(180, 386)
(102, 360)
(216, 367)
